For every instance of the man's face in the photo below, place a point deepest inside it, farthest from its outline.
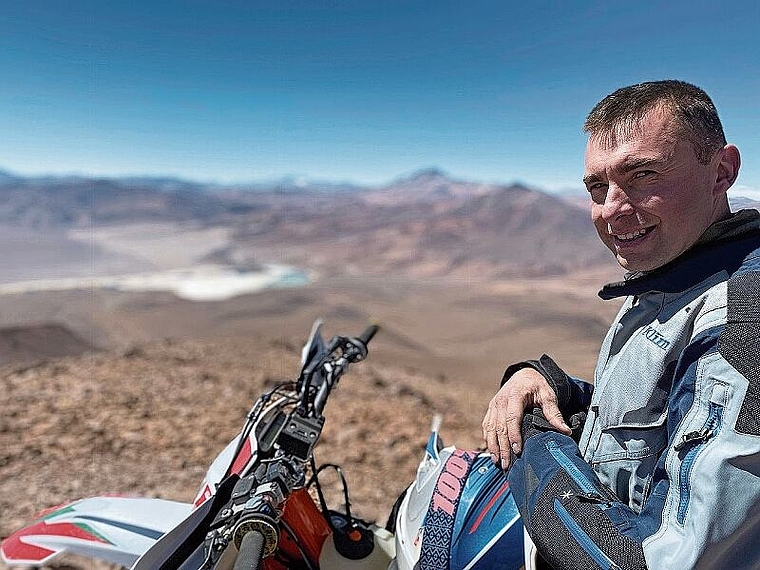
(651, 197)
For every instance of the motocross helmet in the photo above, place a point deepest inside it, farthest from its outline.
(459, 513)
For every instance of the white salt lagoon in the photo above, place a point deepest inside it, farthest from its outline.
(205, 282)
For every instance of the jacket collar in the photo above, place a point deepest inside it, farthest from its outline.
(723, 246)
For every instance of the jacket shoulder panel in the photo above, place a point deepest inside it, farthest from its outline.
(739, 344)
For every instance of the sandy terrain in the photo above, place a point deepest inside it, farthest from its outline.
(148, 413)
(155, 385)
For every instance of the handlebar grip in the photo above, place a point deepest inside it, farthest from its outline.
(368, 333)
(251, 551)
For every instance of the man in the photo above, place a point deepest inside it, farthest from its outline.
(666, 472)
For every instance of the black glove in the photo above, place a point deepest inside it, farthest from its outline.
(534, 421)
(556, 377)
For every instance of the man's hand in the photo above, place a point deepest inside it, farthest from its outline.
(501, 425)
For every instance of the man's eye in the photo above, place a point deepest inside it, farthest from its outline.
(642, 173)
(598, 191)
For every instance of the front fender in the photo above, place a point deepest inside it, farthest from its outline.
(115, 529)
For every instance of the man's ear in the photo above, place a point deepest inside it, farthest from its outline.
(729, 162)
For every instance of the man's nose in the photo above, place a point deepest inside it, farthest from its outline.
(616, 204)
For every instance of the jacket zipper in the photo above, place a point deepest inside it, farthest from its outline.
(572, 469)
(695, 442)
(580, 536)
(589, 430)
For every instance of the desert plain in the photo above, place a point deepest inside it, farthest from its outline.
(134, 392)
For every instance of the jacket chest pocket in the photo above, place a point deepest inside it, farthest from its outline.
(626, 455)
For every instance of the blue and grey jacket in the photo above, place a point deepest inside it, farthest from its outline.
(667, 471)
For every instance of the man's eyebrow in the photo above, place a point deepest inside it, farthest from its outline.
(632, 163)
(627, 165)
(591, 178)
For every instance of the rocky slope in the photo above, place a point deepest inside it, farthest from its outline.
(149, 420)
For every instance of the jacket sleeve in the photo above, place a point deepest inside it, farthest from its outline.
(572, 518)
(703, 507)
(578, 392)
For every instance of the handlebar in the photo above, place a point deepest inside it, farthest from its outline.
(368, 333)
(328, 366)
(292, 425)
(251, 551)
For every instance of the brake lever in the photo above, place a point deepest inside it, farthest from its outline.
(330, 367)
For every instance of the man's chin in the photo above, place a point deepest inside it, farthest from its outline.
(634, 265)
(629, 262)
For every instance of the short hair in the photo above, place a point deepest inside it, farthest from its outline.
(619, 113)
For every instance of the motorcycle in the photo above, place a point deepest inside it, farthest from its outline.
(261, 504)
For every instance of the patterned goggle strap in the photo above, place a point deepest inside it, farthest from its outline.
(439, 520)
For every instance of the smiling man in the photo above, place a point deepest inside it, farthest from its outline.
(653, 192)
(657, 466)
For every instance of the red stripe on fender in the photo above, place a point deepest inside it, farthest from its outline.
(17, 550)
(203, 497)
(243, 457)
(487, 508)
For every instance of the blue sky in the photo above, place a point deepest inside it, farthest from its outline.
(354, 91)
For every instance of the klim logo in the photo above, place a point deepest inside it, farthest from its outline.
(653, 336)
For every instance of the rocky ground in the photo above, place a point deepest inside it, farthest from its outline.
(149, 419)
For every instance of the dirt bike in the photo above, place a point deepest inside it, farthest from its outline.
(254, 508)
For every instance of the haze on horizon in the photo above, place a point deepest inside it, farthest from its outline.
(241, 92)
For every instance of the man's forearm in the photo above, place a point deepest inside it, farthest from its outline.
(575, 521)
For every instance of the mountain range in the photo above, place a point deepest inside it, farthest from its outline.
(427, 224)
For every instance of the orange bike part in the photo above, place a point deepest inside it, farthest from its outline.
(309, 526)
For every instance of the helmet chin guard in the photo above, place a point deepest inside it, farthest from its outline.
(458, 514)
